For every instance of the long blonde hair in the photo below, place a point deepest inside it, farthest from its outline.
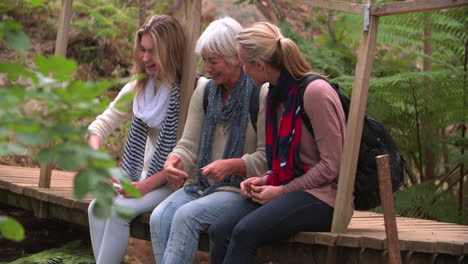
(264, 41)
(168, 47)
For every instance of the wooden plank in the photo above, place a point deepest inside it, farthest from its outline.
(328, 239)
(192, 32)
(352, 141)
(404, 7)
(334, 5)
(63, 27)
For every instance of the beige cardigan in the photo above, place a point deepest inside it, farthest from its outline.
(188, 146)
(114, 116)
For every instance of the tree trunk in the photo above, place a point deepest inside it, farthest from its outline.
(141, 12)
(430, 131)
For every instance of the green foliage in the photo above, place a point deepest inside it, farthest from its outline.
(426, 201)
(71, 253)
(11, 229)
(11, 33)
(327, 57)
(43, 116)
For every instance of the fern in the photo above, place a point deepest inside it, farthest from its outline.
(425, 201)
(70, 253)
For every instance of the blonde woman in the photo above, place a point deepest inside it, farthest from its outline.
(154, 111)
(298, 192)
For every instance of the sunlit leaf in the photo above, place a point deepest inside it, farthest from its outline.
(130, 189)
(36, 2)
(11, 229)
(56, 66)
(13, 70)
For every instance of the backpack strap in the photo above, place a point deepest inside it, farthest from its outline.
(303, 83)
(253, 104)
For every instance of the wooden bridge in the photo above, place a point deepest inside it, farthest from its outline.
(421, 241)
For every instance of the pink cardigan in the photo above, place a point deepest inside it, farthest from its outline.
(321, 152)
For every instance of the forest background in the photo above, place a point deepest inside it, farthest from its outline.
(418, 86)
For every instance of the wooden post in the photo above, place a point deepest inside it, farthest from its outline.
(386, 196)
(192, 32)
(45, 175)
(344, 196)
(61, 44)
(63, 26)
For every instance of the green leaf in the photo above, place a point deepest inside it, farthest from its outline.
(130, 189)
(56, 66)
(102, 163)
(123, 104)
(124, 212)
(36, 2)
(11, 229)
(12, 148)
(13, 70)
(118, 173)
(32, 139)
(69, 156)
(104, 193)
(45, 156)
(17, 40)
(83, 183)
(101, 211)
(13, 34)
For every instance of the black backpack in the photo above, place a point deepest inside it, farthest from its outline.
(376, 140)
(253, 104)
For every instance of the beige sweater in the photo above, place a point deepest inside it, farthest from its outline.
(114, 116)
(188, 146)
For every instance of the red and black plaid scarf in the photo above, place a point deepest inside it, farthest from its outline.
(283, 144)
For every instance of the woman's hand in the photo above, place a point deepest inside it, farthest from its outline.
(246, 186)
(218, 169)
(266, 193)
(94, 141)
(175, 175)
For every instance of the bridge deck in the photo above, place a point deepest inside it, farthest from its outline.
(19, 187)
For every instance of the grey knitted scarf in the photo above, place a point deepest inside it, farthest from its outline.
(134, 151)
(234, 113)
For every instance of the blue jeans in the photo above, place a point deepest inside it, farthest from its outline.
(235, 237)
(177, 222)
(109, 237)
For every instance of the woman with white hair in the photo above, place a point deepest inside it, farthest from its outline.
(219, 143)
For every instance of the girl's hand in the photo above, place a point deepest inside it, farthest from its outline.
(246, 186)
(264, 194)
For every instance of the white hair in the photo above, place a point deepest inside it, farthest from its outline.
(220, 38)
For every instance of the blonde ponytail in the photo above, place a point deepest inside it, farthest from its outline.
(264, 41)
